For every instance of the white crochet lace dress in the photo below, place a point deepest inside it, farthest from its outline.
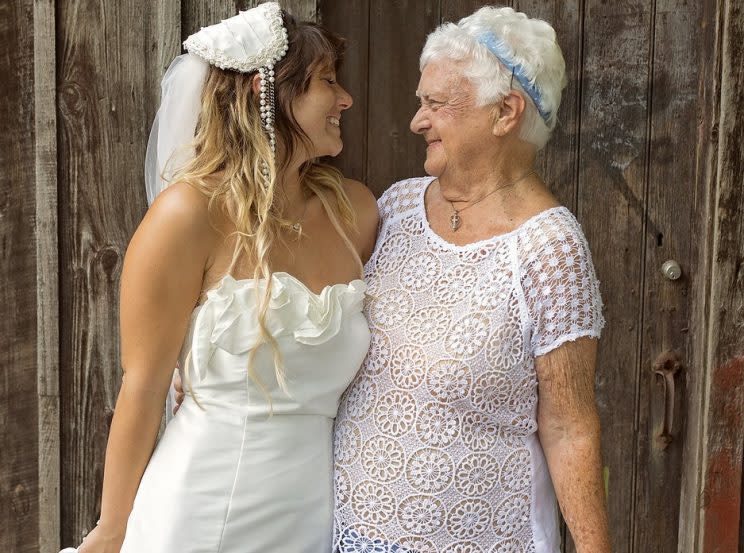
(435, 441)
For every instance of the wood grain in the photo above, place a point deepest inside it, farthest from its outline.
(351, 21)
(164, 45)
(19, 405)
(611, 206)
(558, 163)
(47, 274)
(105, 95)
(304, 10)
(704, 177)
(724, 436)
(397, 31)
(670, 211)
(454, 10)
(196, 14)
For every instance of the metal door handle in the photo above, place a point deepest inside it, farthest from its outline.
(666, 366)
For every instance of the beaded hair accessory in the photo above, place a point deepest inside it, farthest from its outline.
(253, 40)
(499, 49)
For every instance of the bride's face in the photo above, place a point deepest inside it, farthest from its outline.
(318, 112)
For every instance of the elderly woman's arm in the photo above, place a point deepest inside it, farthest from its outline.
(568, 426)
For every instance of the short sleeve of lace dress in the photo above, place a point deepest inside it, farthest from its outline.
(560, 287)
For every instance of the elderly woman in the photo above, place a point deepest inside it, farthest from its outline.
(475, 406)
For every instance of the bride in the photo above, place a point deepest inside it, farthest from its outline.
(268, 244)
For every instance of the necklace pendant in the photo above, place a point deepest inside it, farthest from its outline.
(297, 227)
(455, 220)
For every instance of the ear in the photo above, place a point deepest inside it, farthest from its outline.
(507, 114)
(256, 84)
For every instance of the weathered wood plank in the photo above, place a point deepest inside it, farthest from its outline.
(105, 92)
(351, 21)
(558, 163)
(703, 175)
(667, 304)
(164, 46)
(724, 435)
(454, 10)
(47, 274)
(394, 152)
(611, 206)
(199, 13)
(304, 10)
(19, 470)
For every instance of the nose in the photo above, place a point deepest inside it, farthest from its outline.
(344, 99)
(419, 123)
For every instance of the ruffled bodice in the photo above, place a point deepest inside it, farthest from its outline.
(224, 330)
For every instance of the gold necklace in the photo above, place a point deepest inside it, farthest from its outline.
(456, 220)
(297, 224)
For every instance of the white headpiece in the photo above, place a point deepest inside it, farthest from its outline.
(253, 40)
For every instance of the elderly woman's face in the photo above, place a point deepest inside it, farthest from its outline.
(457, 132)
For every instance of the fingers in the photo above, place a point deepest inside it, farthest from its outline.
(178, 385)
(179, 397)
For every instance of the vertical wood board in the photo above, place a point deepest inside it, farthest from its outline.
(670, 213)
(611, 206)
(351, 21)
(397, 31)
(724, 436)
(47, 275)
(558, 163)
(105, 66)
(704, 177)
(19, 471)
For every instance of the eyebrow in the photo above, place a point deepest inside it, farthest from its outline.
(426, 97)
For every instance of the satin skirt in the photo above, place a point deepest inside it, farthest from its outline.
(220, 482)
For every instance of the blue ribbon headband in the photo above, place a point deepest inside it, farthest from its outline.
(497, 47)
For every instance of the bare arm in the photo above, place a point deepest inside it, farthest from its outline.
(568, 426)
(161, 282)
(365, 206)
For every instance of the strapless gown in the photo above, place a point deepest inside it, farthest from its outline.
(235, 473)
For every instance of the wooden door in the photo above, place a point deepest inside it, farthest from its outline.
(648, 154)
(623, 158)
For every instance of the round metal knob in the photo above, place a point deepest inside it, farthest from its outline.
(671, 270)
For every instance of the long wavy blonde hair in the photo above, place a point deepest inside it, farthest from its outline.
(230, 140)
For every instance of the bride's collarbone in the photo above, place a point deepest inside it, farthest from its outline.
(317, 266)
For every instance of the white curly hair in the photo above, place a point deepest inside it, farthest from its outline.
(527, 44)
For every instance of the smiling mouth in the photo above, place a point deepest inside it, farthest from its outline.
(334, 121)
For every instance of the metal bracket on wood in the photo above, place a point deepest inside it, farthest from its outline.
(666, 366)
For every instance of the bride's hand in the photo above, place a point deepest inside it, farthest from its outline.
(102, 540)
(178, 386)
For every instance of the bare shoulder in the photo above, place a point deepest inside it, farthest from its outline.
(538, 198)
(181, 204)
(178, 222)
(162, 279)
(361, 197)
(365, 207)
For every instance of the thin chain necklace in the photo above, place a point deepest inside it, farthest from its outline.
(297, 224)
(456, 220)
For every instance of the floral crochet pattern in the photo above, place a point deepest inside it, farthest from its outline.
(436, 444)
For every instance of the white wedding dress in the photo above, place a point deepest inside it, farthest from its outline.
(227, 477)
